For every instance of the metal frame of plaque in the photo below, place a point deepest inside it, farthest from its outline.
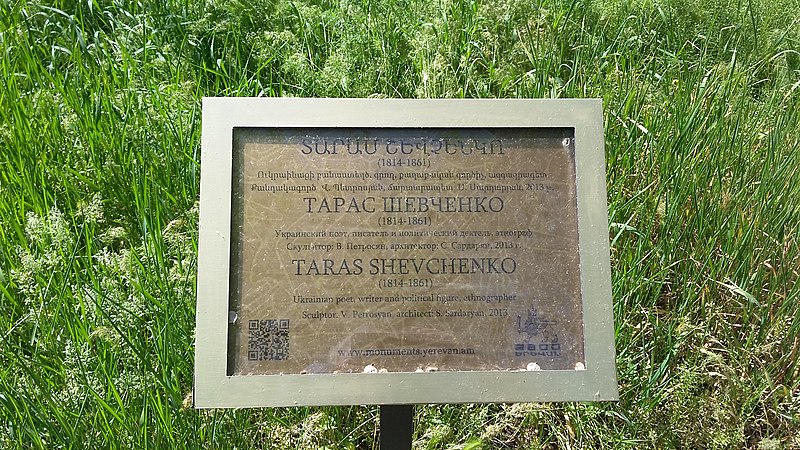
(497, 291)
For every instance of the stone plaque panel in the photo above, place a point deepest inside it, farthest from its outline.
(404, 250)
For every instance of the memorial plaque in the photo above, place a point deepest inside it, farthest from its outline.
(399, 251)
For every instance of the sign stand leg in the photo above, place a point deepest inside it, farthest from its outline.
(397, 427)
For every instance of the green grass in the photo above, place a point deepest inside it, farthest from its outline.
(99, 159)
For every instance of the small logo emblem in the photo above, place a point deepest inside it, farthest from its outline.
(540, 334)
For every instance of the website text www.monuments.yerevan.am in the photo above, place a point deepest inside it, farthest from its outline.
(410, 351)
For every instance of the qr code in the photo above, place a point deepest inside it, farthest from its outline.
(268, 340)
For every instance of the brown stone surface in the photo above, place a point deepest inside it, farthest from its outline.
(404, 250)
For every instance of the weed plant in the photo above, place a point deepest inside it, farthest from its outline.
(99, 156)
